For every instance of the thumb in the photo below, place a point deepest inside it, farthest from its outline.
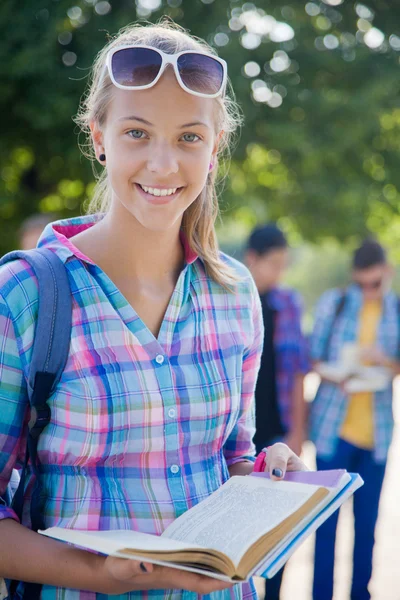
(277, 460)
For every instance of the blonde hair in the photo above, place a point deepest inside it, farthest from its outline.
(198, 221)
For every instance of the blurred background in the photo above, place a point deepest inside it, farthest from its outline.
(318, 83)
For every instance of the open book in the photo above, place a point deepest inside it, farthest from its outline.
(358, 377)
(244, 528)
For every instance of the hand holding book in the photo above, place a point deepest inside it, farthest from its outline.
(117, 575)
(359, 369)
(127, 575)
(250, 525)
(278, 459)
(270, 520)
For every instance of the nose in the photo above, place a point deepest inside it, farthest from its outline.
(162, 160)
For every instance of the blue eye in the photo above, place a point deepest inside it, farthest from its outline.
(190, 137)
(136, 133)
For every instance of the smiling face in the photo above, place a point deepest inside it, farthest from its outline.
(158, 144)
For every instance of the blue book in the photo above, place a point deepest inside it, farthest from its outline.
(275, 561)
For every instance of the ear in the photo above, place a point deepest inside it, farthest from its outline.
(97, 138)
(216, 146)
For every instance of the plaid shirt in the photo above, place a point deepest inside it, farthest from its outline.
(329, 408)
(141, 429)
(291, 351)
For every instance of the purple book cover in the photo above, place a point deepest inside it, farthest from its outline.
(321, 478)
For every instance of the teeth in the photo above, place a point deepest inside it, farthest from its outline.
(158, 192)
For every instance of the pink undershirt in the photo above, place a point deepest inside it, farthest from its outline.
(64, 232)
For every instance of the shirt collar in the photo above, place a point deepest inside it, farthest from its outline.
(56, 236)
(190, 255)
(354, 293)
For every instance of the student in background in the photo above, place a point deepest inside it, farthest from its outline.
(354, 431)
(31, 230)
(280, 407)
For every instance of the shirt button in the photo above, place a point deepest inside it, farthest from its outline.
(171, 413)
(174, 469)
(160, 359)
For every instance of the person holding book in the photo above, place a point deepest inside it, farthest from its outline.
(154, 408)
(354, 430)
(280, 406)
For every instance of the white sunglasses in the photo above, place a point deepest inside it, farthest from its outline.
(140, 67)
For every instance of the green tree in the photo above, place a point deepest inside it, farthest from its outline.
(320, 147)
(318, 83)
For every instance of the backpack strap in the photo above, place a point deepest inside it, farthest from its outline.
(49, 356)
(341, 302)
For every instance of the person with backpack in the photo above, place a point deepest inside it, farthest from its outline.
(280, 406)
(354, 430)
(150, 409)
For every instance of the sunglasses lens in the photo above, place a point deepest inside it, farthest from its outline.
(373, 285)
(200, 73)
(135, 66)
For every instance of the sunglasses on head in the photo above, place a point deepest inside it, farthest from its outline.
(140, 67)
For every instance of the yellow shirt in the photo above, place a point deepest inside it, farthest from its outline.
(358, 426)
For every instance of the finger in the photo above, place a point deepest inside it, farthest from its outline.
(277, 459)
(193, 582)
(296, 464)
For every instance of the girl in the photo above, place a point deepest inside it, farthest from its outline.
(154, 410)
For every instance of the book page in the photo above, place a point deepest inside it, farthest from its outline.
(239, 513)
(110, 542)
(334, 481)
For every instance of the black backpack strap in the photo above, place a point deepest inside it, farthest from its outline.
(341, 303)
(49, 355)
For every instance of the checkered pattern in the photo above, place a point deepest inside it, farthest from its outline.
(329, 408)
(291, 351)
(141, 428)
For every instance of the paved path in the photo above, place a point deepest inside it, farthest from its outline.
(385, 584)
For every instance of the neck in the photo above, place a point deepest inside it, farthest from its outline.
(368, 299)
(122, 244)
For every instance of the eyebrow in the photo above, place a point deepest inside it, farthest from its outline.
(135, 118)
(145, 122)
(194, 124)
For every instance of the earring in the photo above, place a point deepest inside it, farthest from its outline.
(210, 167)
(102, 157)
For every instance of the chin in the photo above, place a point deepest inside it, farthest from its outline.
(154, 218)
(160, 223)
